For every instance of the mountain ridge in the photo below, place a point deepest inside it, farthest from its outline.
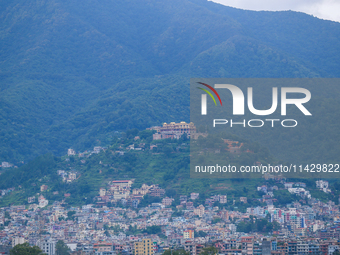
(61, 60)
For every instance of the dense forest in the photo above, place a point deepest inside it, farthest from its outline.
(74, 73)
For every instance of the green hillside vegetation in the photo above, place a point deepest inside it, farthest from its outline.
(166, 165)
(74, 72)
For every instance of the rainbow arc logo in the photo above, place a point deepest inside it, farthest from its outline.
(209, 93)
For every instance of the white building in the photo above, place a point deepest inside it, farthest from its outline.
(61, 172)
(42, 201)
(300, 192)
(31, 200)
(71, 152)
(332, 249)
(102, 192)
(223, 199)
(6, 164)
(194, 196)
(97, 149)
(232, 228)
(320, 184)
(47, 246)
(288, 185)
(18, 240)
(72, 176)
(200, 210)
(72, 246)
(323, 185)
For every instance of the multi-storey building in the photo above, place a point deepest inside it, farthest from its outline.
(193, 248)
(188, 234)
(247, 245)
(145, 247)
(47, 246)
(266, 247)
(18, 240)
(102, 247)
(174, 130)
(292, 247)
(302, 248)
(257, 248)
(282, 248)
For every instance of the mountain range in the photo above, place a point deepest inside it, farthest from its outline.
(72, 73)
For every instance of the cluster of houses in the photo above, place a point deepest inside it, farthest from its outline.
(115, 223)
(304, 229)
(42, 202)
(96, 150)
(68, 176)
(120, 191)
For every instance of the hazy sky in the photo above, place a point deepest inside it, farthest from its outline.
(323, 9)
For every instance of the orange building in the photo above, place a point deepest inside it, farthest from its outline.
(144, 247)
(188, 234)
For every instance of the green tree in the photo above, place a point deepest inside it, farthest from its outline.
(106, 232)
(170, 192)
(70, 215)
(200, 234)
(61, 248)
(167, 150)
(336, 252)
(7, 215)
(209, 251)
(25, 249)
(243, 227)
(153, 230)
(276, 226)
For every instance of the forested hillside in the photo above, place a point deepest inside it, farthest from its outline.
(74, 72)
(166, 163)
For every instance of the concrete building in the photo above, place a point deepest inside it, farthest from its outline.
(18, 240)
(71, 152)
(266, 247)
(174, 130)
(47, 246)
(199, 210)
(102, 247)
(145, 247)
(188, 234)
(6, 164)
(247, 243)
(194, 196)
(102, 192)
(193, 248)
(223, 199)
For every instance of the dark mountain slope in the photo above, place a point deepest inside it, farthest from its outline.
(72, 72)
(242, 56)
(306, 38)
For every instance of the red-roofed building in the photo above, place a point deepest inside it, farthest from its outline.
(102, 246)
